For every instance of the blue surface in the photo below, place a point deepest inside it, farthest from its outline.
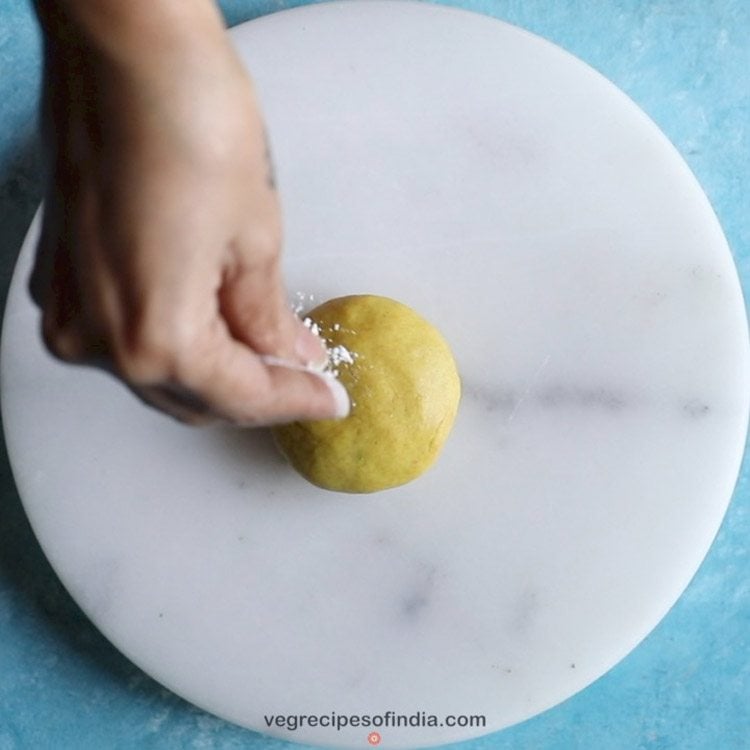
(687, 686)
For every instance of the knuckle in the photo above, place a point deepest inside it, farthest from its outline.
(269, 329)
(267, 243)
(63, 343)
(263, 245)
(272, 338)
(142, 363)
(147, 353)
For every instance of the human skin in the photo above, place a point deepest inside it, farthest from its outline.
(159, 258)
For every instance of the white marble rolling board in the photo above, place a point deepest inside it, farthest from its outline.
(543, 223)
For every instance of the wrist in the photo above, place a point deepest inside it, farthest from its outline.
(130, 31)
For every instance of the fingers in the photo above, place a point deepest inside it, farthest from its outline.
(254, 306)
(54, 289)
(219, 380)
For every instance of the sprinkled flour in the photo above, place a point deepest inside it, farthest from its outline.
(312, 325)
(338, 354)
(301, 301)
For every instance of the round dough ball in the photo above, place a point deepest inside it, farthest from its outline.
(404, 387)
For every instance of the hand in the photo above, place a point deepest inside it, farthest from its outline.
(159, 255)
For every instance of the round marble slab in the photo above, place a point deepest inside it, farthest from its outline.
(543, 223)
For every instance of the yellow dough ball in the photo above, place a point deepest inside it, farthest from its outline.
(404, 387)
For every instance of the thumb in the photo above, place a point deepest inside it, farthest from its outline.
(235, 384)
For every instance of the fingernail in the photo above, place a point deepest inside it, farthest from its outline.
(342, 405)
(340, 396)
(310, 348)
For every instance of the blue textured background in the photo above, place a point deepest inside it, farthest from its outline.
(687, 686)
